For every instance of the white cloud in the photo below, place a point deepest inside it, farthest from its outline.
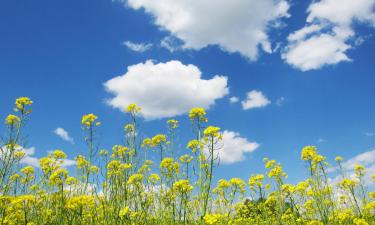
(366, 159)
(138, 47)
(321, 140)
(280, 101)
(315, 52)
(255, 99)
(170, 43)
(369, 134)
(328, 34)
(31, 160)
(28, 158)
(235, 147)
(63, 134)
(235, 26)
(234, 99)
(165, 89)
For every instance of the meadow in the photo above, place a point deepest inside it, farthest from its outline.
(123, 186)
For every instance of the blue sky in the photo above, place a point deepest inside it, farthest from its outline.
(317, 88)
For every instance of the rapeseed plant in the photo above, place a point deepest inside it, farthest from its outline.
(123, 186)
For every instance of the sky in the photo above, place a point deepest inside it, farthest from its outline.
(275, 75)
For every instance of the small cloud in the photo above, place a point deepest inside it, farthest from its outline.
(321, 140)
(171, 43)
(234, 99)
(138, 47)
(255, 99)
(235, 147)
(369, 134)
(63, 134)
(280, 101)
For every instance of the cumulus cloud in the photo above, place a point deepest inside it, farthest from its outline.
(30, 158)
(235, 147)
(165, 89)
(138, 47)
(234, 99)
(328, 33)
(235, 26)
(255, 99)
(63, 134)
(366, 159)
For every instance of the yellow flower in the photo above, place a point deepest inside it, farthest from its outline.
(88, 120)
(276, 172)
(183, 186)
(81, 161)
(359, 221)
(58, 154)
(211, 131)
(173, 124)
(338, 159)
(223, 184)
(129, 128)
(238, 183)
(169, 166)
(269, 163)
(347, 183)
(19, 154)
(212, 219)
(78, 202)
(114, 167)
(22, 102)
(153, 178)
(308, 153)
(315, 222)
(124, 212)
(28, 170)
(186, 158)
(359, 170)
(94, 169)
(58, 176)
(159, 139)
(256, 181)
(135, 179)
(103, 152)
(12, 120)
(198, 114)
(193, 145)
(133, 109)
(71, 180)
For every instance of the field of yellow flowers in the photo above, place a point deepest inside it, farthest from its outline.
(123, 186)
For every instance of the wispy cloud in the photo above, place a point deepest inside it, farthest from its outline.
(321, 140)
(63, 134)
(280, 101)
(369, 134)
(138, 47)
